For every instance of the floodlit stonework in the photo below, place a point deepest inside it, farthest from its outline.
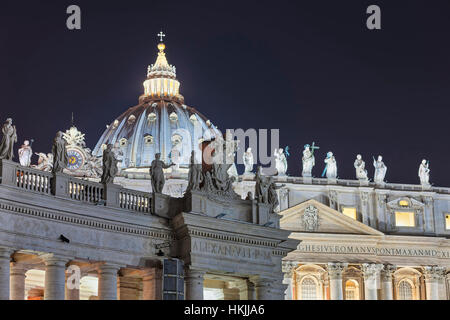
(323, 238)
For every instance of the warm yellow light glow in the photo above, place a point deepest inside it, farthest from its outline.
(351, 290)
(404, 219)
(161, 46)
(349, 212)
(403, 203)
(447, 221)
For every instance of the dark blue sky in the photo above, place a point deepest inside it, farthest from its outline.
(310, 68)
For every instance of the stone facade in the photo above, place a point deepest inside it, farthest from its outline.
(120, 236)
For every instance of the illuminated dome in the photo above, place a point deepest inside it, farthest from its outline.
(160, 123)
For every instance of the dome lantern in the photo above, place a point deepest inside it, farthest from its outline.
(161, 77)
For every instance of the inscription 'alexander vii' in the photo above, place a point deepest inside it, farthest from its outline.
(230, 250)
(382, 251)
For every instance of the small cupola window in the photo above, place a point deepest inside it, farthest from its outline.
(148, 139)
(123, 142)
(193, 118)
(151, 117)
(131, 119)
(173, 117)
(115, 124)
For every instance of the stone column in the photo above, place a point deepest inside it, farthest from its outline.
(288, 270)
(433, 274)
(428, 214)
(381, 213)
(17, 281)
(371, 280)
(387, 292)
(251, 290)
(263, 288)
(335, 271)
(152, 284)
(55, 278)
(72, 283)
(364, 195)
(107, 281)
(5, 258)
(194, 284)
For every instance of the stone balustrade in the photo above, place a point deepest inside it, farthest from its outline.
(68, 187)
(135, 200)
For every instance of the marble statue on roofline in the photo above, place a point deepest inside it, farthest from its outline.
(308, 160)
(25, 153)
(330, 166)
(8, 140)
(424, 173)
(360, 167)
(380, 170)
(248, 161)
(110, 169)
(195, 175)
(157, 173)
(280, 162)
(59, 151)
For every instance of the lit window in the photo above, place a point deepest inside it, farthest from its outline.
(308, 289)
(115, 124)
(447, 221)
(403, 203)
(349, 212)
(351, 290)
(173, 117)
(131, 119)
(405, 290)
(151, 117)
(404, 219)
(193, 118)
(148, 139)
(123, 142)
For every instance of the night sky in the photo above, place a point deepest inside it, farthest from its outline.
(310, 68)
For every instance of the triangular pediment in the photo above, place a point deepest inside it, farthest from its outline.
(313, 216)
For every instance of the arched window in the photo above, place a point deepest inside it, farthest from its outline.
(405, 290)
(351, 290)
(308, 289)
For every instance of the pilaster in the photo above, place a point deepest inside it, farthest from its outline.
(371, 280)
(335, 271)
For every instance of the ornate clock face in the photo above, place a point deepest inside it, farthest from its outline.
(76, 159)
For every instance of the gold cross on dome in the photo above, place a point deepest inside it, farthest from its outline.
(161, 35)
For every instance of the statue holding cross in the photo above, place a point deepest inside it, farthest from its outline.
(308, 159)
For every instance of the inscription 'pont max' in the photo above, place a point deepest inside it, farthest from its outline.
(230, 250)
(347, 249)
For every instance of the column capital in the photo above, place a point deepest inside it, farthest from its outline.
(262, 282)
(52, 259)
(108, 268)
(18, 268)
(371, 269)
(288, 268)
(194, 273)
(387, 272)
(335, 269)
(434, 273)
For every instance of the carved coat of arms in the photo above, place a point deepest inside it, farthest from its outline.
(310, 218)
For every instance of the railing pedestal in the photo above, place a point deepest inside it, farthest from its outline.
(60, 185)
(111, 195)
(9, 172)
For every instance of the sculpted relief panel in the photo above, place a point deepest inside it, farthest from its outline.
(310, 218)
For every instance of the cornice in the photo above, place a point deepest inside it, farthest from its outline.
(93, 223)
